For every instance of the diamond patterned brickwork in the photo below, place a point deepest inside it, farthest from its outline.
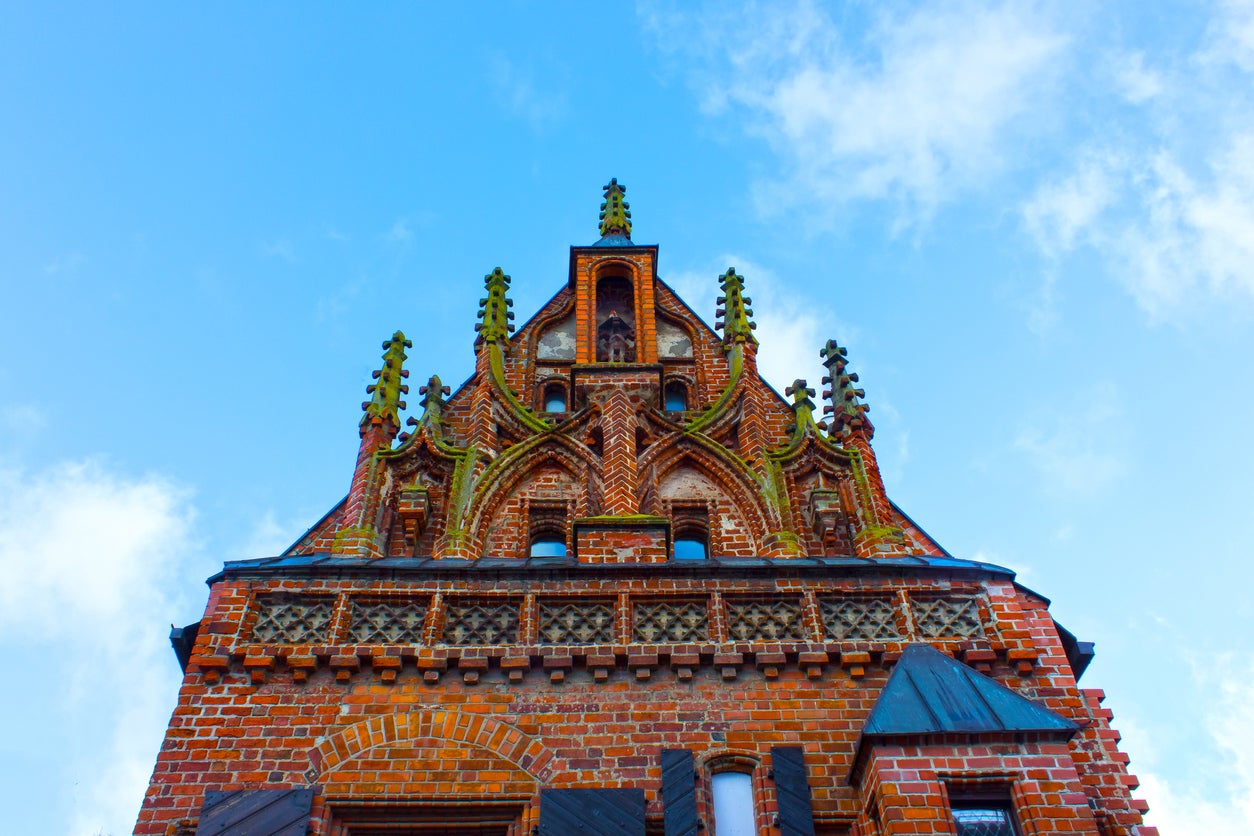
(292, 620)
(670, 621)
(585, 622)
(468, 623)
(387, 623)
(765, 621)
(947, 617)
(859, 619)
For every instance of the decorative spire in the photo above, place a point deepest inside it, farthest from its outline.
(433, 400)
(734, 312)
(495, 308)
(802, 407)
(432, 407)
(847, 410)
(385, 403)
(615, 211)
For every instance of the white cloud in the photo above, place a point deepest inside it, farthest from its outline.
(515, 90)
(1230, 36)
(1165, 191)
(1136, 82)
(1075, 451)
(402, 232)
(89, 560)
(917, 112)
(1172, 236)
(791, 328)
(281, 248)
(1218, 798)
(1063, 210)
(65, 263)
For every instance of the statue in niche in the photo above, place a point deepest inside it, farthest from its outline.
(616, 341)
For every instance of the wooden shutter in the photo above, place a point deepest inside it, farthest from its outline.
(792, 792)
(618, 812)
(255, 813)
(679, 796)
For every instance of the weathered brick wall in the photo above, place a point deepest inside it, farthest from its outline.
(425, 719)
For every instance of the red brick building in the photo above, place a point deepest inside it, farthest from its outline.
(615, 583)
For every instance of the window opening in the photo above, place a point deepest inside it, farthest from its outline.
(554, 398)
(616, 320)
(676, 397)
(733, 804)
(547, 527)
(691, 526)
(983, 813)
(548, 545)
(690, 549)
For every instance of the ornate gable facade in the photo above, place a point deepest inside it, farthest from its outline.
(615, 583)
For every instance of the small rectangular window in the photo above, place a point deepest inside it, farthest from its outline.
(983, 815)
(733, 804)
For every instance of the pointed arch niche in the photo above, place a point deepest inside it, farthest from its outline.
(700, 508)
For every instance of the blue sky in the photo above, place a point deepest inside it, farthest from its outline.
(1033, 226)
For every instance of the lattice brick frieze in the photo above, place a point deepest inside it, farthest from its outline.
(765, 621)
(859, 619)
(481, 623)
(292, 620)
(398, 622)
(671, 621)
(584, 622)
(938, 617)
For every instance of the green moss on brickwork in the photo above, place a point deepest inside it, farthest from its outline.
(709, 416)
(734, 313)
(847, 409)
(615, 211)
(385, 403)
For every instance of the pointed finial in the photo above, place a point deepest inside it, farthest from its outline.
(385, 402)
(847, 409)
(432, 404)
(615, 211)
(494, 310)
(802, 406)
(734, 310)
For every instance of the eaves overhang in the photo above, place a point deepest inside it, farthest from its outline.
(414, 568)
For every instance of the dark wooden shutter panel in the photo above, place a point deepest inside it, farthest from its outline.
(618, 812)
(679, 792)
(792, 792)
(255, 813)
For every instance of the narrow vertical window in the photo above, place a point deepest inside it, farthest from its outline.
(733, 804)
(554, 398)
(691, 524)
(546, 529)
(676, 397)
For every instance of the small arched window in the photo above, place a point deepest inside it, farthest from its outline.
(675, 397)
(554, 398)
(691, 525)
(690, 548)
(734, 814)
(548, 544)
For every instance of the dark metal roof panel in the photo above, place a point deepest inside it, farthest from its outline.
(930, 693)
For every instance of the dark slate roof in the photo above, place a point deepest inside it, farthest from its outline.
(1079, 654)
(931, 693)
(318, 564)
(614, 239)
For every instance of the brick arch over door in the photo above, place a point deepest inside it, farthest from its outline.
(499, 738)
